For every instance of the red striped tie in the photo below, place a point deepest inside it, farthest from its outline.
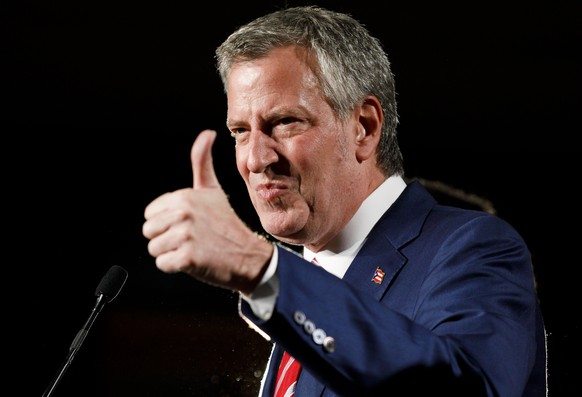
(287, 376)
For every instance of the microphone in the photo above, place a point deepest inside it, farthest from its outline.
(106, 291)
(111, 283)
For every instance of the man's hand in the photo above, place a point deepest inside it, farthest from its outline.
(196, 231)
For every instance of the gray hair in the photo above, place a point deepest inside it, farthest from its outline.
(351, 63)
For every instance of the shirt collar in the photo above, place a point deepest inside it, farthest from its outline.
(344, 247)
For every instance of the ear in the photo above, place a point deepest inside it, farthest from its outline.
(368, 128)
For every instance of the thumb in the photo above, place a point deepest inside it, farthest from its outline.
(201, 158)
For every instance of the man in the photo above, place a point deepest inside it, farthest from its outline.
(406, 296)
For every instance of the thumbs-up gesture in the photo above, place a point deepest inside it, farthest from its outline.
(196, 231)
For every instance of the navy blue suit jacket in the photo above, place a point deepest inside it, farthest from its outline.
(456, 312)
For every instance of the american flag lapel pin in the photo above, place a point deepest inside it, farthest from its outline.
(378, 275)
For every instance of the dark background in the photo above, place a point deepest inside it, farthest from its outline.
(100, 102)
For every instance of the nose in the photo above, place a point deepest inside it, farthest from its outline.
(261, 152)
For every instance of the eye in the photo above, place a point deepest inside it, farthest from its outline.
(239, 135)
(287, 120)
(237, 132)
(284, 126)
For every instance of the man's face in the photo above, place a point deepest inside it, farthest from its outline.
(295, 156)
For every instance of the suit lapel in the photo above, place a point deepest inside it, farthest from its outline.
(380, 259)
(374, 268)
(307, 385)
(274, 362)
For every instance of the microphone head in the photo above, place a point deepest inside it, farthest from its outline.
(112, 283)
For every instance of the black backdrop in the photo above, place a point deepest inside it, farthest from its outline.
(102, 100)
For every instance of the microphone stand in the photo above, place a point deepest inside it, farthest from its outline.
(77, 342)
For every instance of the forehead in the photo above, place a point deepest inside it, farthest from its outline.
(286, 63)
(282, 78)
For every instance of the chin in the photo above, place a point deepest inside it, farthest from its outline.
(287, 232)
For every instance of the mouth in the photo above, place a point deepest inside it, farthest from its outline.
(271, 191)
